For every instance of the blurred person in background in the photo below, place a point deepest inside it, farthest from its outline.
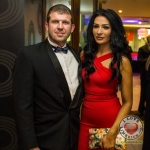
(143, 54)
(146, 141)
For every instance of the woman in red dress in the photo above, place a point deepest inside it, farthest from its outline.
(106, 65)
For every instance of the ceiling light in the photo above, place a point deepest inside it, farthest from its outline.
(120, 11)
(139, 37)
(129, 21)
(132, 20)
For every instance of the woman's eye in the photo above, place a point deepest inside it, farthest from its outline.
(95, 26)
(106, 27)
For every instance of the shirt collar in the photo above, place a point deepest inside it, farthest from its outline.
(54, 44)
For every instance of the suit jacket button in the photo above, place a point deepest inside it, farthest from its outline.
(61, 96)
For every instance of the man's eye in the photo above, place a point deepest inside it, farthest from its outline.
(55, 21)
(65, 22)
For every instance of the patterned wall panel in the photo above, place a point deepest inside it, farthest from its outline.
(31, 33)
(33, 22)
(32, 1)
(7, 60)
(20, 23)
(12, 13)
(39, 18)
(8, 131)
(11, 39)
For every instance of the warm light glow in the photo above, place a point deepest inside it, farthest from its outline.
(130, 21)
(136, 25)
(139, 37)
(142, 32)
(120, 11)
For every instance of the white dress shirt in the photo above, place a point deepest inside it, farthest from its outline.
(70, 68)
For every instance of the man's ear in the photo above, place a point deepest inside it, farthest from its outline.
(46, 26)
(73, 27)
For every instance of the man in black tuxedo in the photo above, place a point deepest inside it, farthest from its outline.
(143, 54)
(47, 88)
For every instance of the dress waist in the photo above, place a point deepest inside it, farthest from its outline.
(96, 113)
(99, 97)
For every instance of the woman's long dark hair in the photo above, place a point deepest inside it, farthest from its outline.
(118, 44)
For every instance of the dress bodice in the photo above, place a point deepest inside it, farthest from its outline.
(99, 87)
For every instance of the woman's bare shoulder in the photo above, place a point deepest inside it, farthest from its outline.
(126, 64)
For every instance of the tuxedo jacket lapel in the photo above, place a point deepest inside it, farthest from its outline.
(60, 74)
(75, 53)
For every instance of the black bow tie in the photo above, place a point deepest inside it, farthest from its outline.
(58, 49)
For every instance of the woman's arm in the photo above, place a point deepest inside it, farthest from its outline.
(126, 92)
(127, 98)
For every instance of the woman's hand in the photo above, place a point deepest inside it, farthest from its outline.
(108, 142)
(36, 148)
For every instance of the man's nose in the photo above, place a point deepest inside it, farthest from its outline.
(60, 25)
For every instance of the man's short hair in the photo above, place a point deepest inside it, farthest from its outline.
(61, 9)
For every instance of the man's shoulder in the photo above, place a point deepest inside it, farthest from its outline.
(73, 49)
(34, 47)
(143, 48)
(31, 50)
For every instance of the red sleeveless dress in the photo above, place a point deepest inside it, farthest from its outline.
(101, 104)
